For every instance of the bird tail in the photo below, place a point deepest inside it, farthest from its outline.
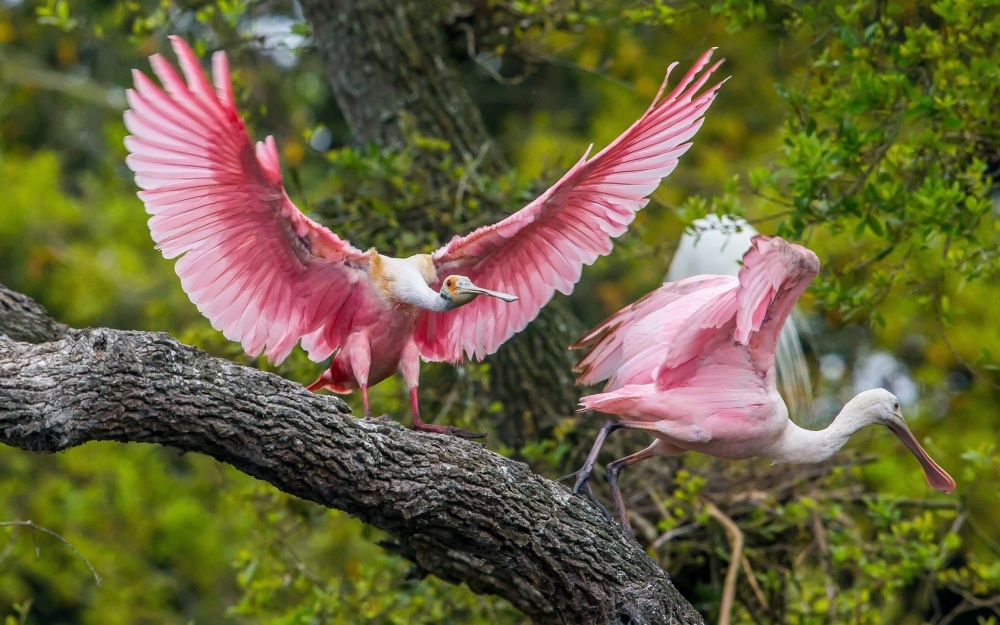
(336, 379)
(620, 402)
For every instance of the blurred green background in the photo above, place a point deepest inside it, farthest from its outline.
(866, 130)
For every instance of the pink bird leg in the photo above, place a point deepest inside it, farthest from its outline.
(692, 363)
(269, 277)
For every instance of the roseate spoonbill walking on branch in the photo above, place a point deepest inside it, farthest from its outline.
(266, 275)
(716, 246)
(692, 363)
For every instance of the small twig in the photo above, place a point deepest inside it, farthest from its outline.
(463, 182)
(990, 544)
(824, 560)
(801, 557)
(448, 402)
(7, 549)
(38, 528)
(939, 321)
(930, 504)
(736, 553)
(470, 46)
(643, 524)
(555, 60)
(669, 535)
(753, 582)
(769, 217)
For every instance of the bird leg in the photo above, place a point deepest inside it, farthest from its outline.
(420, 426)
(364, 399)
(582, 476)
(368, 413)
(614, 469)
(360, 356)
(409, 367)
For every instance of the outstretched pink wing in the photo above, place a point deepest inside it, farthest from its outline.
(626, 347)
(774, 275)
(543, 247)
(260, 270)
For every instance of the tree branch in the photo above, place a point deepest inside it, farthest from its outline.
(455, 508)
(24, 319)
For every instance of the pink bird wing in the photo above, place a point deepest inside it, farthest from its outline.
(774, 275)
(260, 270)
(543, 247)
(631, 342)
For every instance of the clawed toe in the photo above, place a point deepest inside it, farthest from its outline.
(586, 490)
(582, 485)
(447, 429)
(454, 431)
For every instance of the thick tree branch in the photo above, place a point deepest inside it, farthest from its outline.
(455, 508)
(23, 319)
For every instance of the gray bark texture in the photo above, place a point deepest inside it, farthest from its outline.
(456, 509)
(23, 319)
(386, 60)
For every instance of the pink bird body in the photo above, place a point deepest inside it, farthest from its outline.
(693, 364)
(268, 276)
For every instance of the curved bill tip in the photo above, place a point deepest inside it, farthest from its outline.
(937, 477)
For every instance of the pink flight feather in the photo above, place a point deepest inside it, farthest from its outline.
(267, 276)
(259, 269)
(700, 331)
(543, 247)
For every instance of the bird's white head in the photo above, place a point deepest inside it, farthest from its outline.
(459, 290)
(879, 406)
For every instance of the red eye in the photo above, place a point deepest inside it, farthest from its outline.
(451, 283)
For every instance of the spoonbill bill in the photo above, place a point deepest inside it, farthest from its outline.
(268, 276)
(716, 245)
(692, 363)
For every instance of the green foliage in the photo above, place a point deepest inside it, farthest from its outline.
(285, 575)
(410, 200)
(864, 129)
(889, 145)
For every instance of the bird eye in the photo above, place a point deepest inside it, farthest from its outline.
(450, 282)
(895, 405)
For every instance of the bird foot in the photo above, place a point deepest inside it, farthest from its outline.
(582, 485)
(447, 429)
(384, 418)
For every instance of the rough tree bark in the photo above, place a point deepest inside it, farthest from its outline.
(455, 508)
(388, 62)
(23, 319)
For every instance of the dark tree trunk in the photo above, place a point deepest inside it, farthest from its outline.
(455, 508)
(387, 60)
(388, 66)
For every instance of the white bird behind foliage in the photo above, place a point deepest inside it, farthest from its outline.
(716, 246)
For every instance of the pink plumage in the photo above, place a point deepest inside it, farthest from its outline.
(269, 277)
(692, 363)
(543, 247)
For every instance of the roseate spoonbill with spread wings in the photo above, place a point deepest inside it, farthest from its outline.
(692, 363)
(266, 275)
(716, 246)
